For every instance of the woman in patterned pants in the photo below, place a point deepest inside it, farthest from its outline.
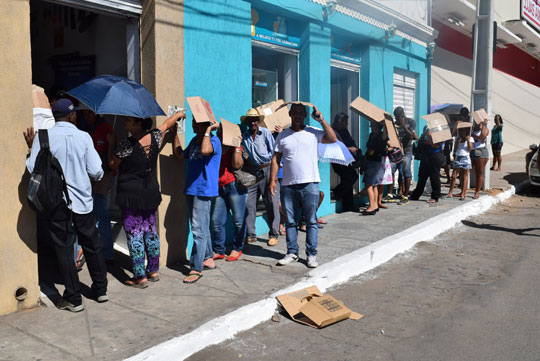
(138, 194)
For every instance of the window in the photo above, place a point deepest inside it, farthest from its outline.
(405, 92)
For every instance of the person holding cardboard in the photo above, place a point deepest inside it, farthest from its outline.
(232, 196)
(297, 146)
(347, 174)
(462, 162)
(375, 165)
(138, 194)
(258, 142)
(480, 152)
(406, 128)
(203, 155)
(431, 162)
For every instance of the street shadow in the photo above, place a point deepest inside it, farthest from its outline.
(492, 227)
(515, 178)
(182, 267)
(252, 249)
(122, 263)
(531, 192)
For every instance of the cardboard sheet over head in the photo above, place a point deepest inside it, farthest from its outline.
(274, 115)
(480, 116)
(202, 112)
(438, 126)
(231, 133)
(306, 104)
(368, 110)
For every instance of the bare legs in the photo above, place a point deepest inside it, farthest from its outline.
(479, 168)
(497, 158)
(464, 174)
(373, 195)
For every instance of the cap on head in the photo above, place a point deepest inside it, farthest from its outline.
(399, 112)
(62, 107)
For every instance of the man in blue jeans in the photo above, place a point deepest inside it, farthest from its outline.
(406, 128)
(297, 146)
(203, 155)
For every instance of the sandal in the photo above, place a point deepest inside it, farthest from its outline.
(432, 201)
(321, 221)
(196, 275)
(152, 277)
(137, 282)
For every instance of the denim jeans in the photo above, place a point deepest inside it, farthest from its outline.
(199, 211)
(306, 195)
(103, 223)
(271, 202)
(234, 198)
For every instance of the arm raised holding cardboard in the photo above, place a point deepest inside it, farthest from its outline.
(329, 134)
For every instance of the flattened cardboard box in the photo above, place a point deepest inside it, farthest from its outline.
(393, 138)
(437, 124)
(274, 115)
(202, 112)
(306, 104)
(231, 133)
(310, 307)
(479, 116)
(368, 110)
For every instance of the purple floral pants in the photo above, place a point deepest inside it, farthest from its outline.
(142, 237)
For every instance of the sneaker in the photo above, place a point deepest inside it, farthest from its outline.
(64, 304)
(102, 298)
(404, 200)
(312, 261)
(389, 198)
(289, 258)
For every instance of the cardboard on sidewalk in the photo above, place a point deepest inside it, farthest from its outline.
(202, 112)
(231, 133)
(274, 114)
(480, 116)
(369, 111)
(310, 307)
(438, 126)
(39, 99)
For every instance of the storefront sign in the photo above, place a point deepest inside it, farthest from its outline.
(345, 50)
(530, 11)
(274, 29)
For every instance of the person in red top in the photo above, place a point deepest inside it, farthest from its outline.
(102, 134)
(232, 197)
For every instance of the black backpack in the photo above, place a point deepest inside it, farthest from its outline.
(47, 183)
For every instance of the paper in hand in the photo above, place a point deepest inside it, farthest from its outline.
(173, 109)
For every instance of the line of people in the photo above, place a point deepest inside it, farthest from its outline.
(210, 187)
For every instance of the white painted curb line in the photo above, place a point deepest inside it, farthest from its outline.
(327, 275)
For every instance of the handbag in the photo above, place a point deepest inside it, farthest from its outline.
(249, 174)
(395, 156)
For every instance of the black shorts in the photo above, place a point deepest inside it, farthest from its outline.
(496, 147)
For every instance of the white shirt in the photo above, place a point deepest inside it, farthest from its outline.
(462, 148)
(479, 143)
(299, 154)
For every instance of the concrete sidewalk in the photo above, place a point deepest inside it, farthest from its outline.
(134, 320)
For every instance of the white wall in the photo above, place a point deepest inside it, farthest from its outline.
(413, 9)
(514, 99)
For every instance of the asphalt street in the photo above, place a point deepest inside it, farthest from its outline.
(471, 294)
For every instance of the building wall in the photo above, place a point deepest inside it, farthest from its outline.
(413, 9)
(18, 250)
(512, 98)
(162, 60)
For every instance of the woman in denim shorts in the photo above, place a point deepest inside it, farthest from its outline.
(479, 155)
(462, 163)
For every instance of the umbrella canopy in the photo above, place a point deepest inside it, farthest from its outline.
(115, 95)
(335, 153)
(446, 108)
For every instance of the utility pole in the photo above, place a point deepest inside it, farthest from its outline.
(483, 66)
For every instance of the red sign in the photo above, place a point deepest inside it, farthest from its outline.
(530, 11)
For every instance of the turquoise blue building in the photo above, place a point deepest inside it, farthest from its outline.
(241, 54)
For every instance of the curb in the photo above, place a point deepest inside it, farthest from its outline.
(330, 274)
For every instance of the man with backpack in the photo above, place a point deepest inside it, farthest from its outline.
(62, 162)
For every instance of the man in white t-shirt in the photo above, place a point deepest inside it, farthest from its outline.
(297, 146)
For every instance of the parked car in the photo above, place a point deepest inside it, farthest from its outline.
(531, 160)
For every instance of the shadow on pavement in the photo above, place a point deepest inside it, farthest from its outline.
(492, 227)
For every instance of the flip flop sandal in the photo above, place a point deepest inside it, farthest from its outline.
(321, 221)
(152, 278)
(198, 275)
(132, 282)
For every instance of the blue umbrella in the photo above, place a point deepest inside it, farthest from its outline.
(334, 153)
(115, 95)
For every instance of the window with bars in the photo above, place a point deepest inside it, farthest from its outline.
(405, 92)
